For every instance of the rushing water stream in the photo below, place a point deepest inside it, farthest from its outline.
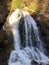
(27, 43)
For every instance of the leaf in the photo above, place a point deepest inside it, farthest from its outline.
(32, 6)
(16, 4)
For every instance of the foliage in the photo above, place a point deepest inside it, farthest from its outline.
(22, 3)
(16, 4)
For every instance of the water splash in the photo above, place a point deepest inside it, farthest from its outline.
(28, 34)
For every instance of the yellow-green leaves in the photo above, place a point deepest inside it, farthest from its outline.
(16, 4)
(22, 4)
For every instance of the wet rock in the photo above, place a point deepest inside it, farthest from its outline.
(3, 63)
(34, 63)
(6, 42)
(5, 47)
(47, 64)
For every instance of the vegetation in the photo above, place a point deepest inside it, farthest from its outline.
(22, 4)
(16, 4)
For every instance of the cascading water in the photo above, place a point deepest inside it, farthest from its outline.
(27, 43)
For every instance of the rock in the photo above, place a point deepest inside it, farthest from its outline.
(5, 47)
(3, 15)
(6, 42)
(1, 37)
(4, 11)
(47, 64)
(5, 63)
(33, 62)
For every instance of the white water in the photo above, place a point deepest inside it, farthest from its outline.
(28, 53)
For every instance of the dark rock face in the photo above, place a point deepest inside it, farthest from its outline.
(6, 42)
(3, 15)
(4, 11)
(5, 46)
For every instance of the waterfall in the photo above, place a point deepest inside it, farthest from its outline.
(27, 43)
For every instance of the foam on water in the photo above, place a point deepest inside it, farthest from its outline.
(28, 53)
